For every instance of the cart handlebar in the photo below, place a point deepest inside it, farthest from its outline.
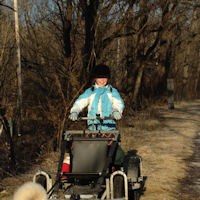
(97, 117)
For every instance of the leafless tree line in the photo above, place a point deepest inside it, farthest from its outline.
(144, 43)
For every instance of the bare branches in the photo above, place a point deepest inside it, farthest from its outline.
(62, 40)
(5, 5)
(191, 3)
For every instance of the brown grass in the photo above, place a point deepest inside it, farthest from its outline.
(164, 140)
(165, 145)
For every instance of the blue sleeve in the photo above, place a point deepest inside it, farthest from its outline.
(82, 101)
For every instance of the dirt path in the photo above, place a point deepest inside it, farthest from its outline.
(169, 146)
(170, 152)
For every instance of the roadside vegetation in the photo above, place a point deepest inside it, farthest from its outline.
(145, 43)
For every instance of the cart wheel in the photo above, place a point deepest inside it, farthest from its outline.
(41, 179)
(44, 179)
(118, 186)
(133, 168)
(134, 195)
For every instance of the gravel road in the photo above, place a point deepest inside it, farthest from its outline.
(170, 152)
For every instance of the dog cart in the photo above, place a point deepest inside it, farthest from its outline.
(92, 174)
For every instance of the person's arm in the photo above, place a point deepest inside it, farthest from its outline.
(117, 104)
(80, 104)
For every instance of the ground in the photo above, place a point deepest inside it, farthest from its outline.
(169, 152)
(168, 142)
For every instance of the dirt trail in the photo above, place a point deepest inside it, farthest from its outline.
(169, 147)
(171, 159)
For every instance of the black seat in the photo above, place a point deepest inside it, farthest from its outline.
(88, 160)
(89, 157)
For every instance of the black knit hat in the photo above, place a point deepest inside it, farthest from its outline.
(101, 71)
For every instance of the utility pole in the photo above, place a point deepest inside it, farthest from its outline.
(19, 80)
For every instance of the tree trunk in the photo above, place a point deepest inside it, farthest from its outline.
(67, 29)
(90, 14)
(138, 84)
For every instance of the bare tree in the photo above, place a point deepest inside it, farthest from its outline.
(153, 46)
(7, 82)
(62, 40)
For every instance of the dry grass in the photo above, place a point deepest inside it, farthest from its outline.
(164, 140)
(164, 146)
(10, 184)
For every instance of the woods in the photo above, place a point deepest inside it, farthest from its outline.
(144, 43)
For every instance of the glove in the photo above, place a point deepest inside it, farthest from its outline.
(73, 116)
(116, 115)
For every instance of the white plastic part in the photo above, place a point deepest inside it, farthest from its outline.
(47, 176)
(112, 184)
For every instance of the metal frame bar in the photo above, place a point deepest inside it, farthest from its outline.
(112, 183)
(91, 131)
(69, 135)
(90, 139)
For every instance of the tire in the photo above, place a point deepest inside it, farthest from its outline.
(41, 179)
(133, 168)
(134, 195)
(118, 186)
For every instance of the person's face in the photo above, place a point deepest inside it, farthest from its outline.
(101, 81)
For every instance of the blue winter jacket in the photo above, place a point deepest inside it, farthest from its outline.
(100, 100)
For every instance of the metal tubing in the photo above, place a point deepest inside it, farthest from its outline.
(112, 184)
(107, 189)
(91, 131)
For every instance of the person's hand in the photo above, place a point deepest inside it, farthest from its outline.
(73, 116)
(116, 115)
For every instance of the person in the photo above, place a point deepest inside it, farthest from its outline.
(101, 99)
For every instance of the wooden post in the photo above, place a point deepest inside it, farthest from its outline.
(19, 81)
(170, 89)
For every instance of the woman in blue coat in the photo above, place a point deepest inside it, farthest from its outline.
(104, 100)
(100, 99)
